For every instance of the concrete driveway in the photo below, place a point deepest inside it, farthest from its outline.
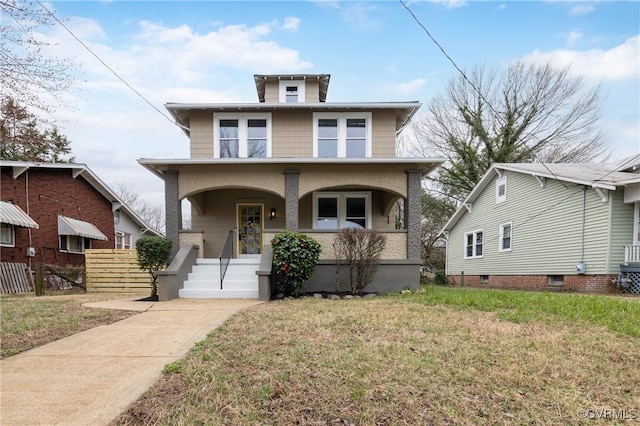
(91, 377)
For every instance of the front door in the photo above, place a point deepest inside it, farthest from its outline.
(249, 229)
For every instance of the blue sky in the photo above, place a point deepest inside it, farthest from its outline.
(208, 51)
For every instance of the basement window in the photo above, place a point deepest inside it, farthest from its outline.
(557, 280)
(484, 279)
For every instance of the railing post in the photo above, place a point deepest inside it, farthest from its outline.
(39, 281)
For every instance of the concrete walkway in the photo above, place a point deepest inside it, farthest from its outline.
(91, 377)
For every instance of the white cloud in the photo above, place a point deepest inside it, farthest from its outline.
(581, 9)
(450, 4)
(501, 6)
(291, 23)
(573, 37)
(618, 63)
(357, 13)
(410, 87)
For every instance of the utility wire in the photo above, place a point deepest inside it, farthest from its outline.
(495, 112)
(105, 64)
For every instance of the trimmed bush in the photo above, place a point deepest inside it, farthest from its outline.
(294, 258)
(153, 255)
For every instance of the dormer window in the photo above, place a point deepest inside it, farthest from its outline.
(292, 91)
(292, 94)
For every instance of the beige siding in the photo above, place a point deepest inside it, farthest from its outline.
(383, 143)
(396, 246)
(201, 124)
(312, 91)
(271, 92)
(621, 229)
(381, 176)
(546, 230)
(292, 134)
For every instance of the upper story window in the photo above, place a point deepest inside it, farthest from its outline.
(473, 244)
(501, 190)
(242, 135)
(7, 235)
(341, 135)
(292, 91)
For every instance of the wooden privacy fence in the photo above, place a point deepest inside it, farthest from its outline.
(115, 271)
(15, 278)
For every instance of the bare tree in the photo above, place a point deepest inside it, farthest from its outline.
(360, 250)
(153, 215)
(26, 72)
(528, 113)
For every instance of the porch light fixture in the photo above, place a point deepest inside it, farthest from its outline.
(272, 215)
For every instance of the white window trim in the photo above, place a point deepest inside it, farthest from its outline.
(475, 234)
(84, 240)
(501, 240)
(636, 223)
(499, 182)
(282, 90)
(242, 130)
(342, 206)
(342, 130)
(125, 237)
(13, 237)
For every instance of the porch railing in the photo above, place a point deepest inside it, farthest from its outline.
(225, 256)
(632, 254)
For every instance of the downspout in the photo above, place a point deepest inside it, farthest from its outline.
(581, 268)
(26, 182)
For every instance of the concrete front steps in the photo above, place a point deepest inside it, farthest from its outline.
(240, 281)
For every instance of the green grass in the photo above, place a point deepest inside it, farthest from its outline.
(28, 321)
(618, 314)
(444, 356)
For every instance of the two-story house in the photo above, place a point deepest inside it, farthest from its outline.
(294, 161)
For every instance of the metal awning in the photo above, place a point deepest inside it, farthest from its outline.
(14, 215)
(69, 226)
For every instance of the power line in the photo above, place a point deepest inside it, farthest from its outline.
(105, 64)
(495, 112)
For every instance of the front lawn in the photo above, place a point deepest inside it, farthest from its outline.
(29, 321)
(444, 356)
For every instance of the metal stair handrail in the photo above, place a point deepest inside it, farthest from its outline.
(225, 256)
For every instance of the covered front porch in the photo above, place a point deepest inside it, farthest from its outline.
(244, 203)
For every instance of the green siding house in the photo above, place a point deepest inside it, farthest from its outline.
(536, 226)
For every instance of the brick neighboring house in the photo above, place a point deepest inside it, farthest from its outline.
(71, 210)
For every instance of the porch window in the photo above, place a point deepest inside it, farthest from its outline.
(473, 244)
(341, 135)
(7, 235)
(341, 210)
(242, 135)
